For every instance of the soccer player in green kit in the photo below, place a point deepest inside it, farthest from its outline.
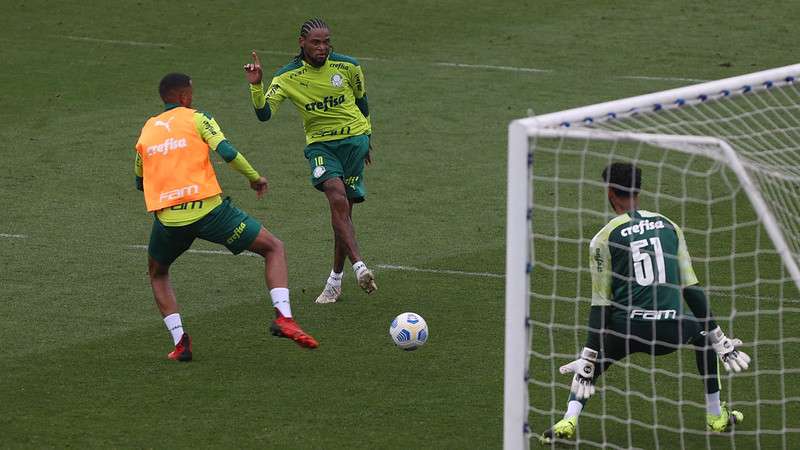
(641, 274)
(329, 92)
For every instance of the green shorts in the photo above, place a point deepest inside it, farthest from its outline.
(225, 224)
(343, 158)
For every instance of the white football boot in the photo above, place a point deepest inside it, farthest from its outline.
(330, 294)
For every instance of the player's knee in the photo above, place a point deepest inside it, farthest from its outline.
(156, 270)
(267, 244)
(275, 245)
(334, 190)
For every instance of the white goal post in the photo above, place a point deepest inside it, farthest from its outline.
(738, 139)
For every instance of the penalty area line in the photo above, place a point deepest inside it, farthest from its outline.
(13, 236)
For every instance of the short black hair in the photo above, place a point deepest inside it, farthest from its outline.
(625, 179)
(171, 83)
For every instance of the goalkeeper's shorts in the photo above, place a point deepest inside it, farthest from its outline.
(657, 337)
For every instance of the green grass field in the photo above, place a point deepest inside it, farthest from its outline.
(82, 346)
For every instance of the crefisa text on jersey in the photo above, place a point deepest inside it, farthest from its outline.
(641, 227)
(323, 105)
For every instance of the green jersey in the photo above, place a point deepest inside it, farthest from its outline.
(331, 98)
(639, 265)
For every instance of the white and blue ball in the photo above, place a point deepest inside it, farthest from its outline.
(409, 331)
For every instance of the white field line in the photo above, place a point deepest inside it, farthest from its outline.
(372, 58)
(491, 67)
(17, 236)
(112, 41)
(636, 77)
(204, 252)
(380, 266)
(442, 271)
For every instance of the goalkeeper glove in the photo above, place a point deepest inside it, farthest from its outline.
(583, 367)
(732, 359)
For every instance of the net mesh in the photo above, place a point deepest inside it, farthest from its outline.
(646, 401)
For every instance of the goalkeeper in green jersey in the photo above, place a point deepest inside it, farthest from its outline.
(328, 90)
(641, 274)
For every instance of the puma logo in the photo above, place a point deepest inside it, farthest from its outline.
(161, 123)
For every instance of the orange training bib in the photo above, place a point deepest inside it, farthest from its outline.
(175, 161)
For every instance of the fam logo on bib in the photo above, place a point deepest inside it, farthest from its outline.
(337, 80)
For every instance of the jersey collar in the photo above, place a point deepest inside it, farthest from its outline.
(312, 67)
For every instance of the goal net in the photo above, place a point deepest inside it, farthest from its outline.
(722, 160)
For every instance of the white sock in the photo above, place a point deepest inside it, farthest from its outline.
(335, 278)
(280, 300)
(712, 404)
(359, 267)
(574, 409)
(175, 327)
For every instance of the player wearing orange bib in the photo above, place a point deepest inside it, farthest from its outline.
(180, 187)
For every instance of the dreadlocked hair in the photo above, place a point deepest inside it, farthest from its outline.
(312, 24)
(308, 25)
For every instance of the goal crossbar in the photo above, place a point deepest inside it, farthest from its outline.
(672, 98)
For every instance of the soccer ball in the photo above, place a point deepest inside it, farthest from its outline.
(409, 331)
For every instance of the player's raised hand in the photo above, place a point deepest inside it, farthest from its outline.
(583, 368)
(253, 70)
(732, 358)
(261, 186)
